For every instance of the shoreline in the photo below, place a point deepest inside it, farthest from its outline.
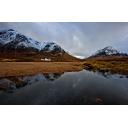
(113, 66)
(30, 68)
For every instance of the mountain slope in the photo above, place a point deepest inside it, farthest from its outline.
(11, 39)
(14, 45)
(108, 53)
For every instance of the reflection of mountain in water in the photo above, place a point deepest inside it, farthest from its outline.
(11, 83)
(110, 75)
(52, 76)
(106, 74)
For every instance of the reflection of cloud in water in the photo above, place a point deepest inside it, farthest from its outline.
(11, 83)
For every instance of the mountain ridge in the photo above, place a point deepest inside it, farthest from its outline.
(108, 51)
(16, 45)
(12, 37)
(108, 54)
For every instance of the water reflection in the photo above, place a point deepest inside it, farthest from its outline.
(84, 87)
(52, 76)
(9, 84)
(108, 74)
(104, 74)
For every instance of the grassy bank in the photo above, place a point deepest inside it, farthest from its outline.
(113, 66)
(29, 68)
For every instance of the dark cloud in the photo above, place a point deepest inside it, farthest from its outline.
(81, 39)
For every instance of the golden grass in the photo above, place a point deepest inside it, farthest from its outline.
(113, 66)
(29, 68)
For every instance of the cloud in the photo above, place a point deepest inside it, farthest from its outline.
(78, 38)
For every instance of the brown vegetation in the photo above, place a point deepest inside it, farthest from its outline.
(8, 67)
(108, 64)
(36, 57)
(29, 68)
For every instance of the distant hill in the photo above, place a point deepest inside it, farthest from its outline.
(15, 46)
(108, 53)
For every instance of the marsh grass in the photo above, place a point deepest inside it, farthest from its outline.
(113, 66)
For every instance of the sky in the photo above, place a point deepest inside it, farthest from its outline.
(80, 39)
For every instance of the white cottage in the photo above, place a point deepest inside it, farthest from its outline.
(46, 59)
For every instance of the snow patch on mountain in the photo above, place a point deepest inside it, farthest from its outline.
(7, 36)
(107, 51)
(19, 40)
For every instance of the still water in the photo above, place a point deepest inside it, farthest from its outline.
(71, 88)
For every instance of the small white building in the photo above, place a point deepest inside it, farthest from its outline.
(46, 59)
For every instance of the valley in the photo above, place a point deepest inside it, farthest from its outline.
(49, 72)
(22, 55)
(113, 66)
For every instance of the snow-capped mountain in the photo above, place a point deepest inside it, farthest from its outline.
(109, 51)
(15, 46)
(11, 39)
